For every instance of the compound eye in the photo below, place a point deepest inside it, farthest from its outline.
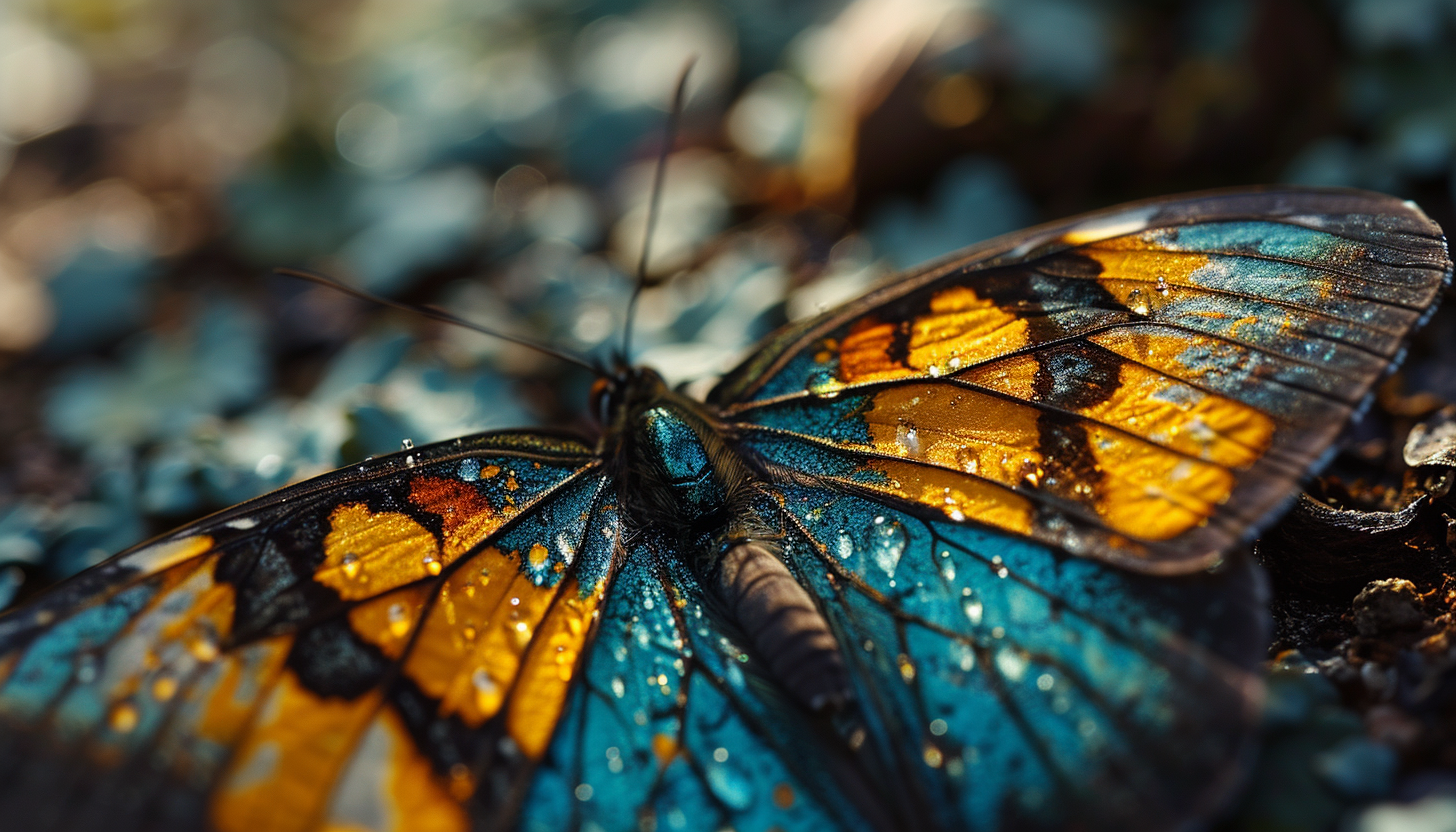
(601, 399)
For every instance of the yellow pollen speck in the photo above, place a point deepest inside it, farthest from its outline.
(490, 471)
(907, 669)
(664, 747)
(538, 555)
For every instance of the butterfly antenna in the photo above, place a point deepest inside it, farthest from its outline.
(669, 139)
(438, 314)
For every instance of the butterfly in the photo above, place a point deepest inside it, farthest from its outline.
(964, 553)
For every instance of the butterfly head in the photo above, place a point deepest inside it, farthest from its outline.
(620, 390)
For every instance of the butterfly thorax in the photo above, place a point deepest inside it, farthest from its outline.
(682, 479)
(676, 468)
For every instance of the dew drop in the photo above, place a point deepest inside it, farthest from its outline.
(1011, 663)
(952, 505)
(350, 565)
(1162, 285)
(909, 439)
(406, 444)
(887, 544)
(907, 668)
(1137, 302)
(938, 727)
(729, 785)
(86, 669)
(966, 658)
(619, 687)
(969, 460)
(432, 564)
(399, 623)
(485, 689)
(974, 610)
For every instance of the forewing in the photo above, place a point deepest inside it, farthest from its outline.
(352, 652)
(1004, 685)
(1143, 385)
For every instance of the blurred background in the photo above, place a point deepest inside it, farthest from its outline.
(158, 157)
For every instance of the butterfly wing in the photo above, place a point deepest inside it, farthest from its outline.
(1005, 685)
(1144, 385)
(382, 648)
(974, 465)
(675, 725)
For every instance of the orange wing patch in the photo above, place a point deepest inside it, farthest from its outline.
(286, 764)
(961, 329)
(1139, 274)
(954, 428)
(219, 706)
(1167, 411)
(491, 629)
(467, 515)
(387, 621)
(546, 673)
(1162, 452)
(389, 786)
(960, 497)
(1149, 492)
(167, 554)
(366, 553)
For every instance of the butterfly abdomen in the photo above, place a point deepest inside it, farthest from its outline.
(783, 623)
(687, 481)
